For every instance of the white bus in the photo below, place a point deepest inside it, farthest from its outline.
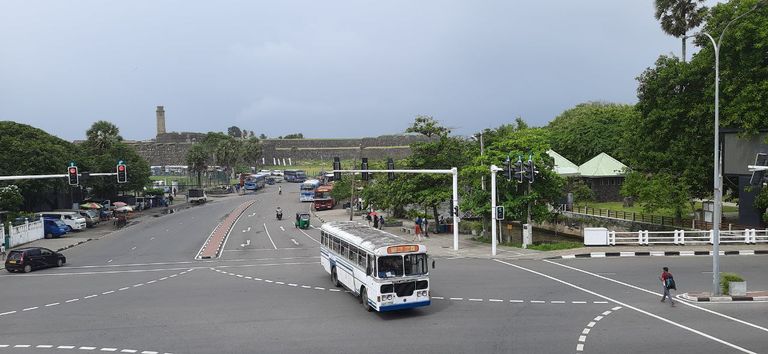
(385, 271)
(307, 190)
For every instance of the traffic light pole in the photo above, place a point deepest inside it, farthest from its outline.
(494, 169)
(453, 171)
(11, 178)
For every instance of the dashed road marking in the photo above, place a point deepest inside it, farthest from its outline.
(84, 348)
(52, 304)
(30, 308)
(590, 325)
(90, 296)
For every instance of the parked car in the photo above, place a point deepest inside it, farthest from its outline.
(91, 217)
(54, 228)
(71, 218)
(197, 196)
(30, 258)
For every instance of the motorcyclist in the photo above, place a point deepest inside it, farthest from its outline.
(280, 190)
(279, 213)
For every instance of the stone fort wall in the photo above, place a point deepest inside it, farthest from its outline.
(172, 148)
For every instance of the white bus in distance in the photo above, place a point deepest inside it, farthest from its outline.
(385, 271)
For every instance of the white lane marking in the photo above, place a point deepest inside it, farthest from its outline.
(537, 302)
(591, 324)
(477, 300)
(249, 278)
(294, 242)
(580, 347)
(21, 346)
(582, 338)
(268, 281)
(72, 300)
(585, 331)
(270, 237)
(657, 294)
(124, 288)
(90, 296)
(44, 346)
(557, 302)
(137, 285)
(598, 318)
(108, 349)
(52, 304)
(306, 234)
(599, 302)
(616, 308)
(133, 248)
(163, 278)
(606, 313)
(66, 347)
(4, 345)
(151, 238)
(87, 348)
(292, 284)
(319, 288)
(438, 297)
(109, 261)
(457, 298)
(282, 228)
(148, 352)
(30, 309)
(734, 346)
(578, 302)
(128, 351)
(152, 281)
(334, 290)
(516, 301)
(495, 300)
(279, 282)
(306, 287)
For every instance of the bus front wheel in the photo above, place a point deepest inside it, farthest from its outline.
(335, 278)
(364, 299)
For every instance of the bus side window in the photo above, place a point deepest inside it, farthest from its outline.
(371, 269)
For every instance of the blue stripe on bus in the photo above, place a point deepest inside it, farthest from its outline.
(407, 305)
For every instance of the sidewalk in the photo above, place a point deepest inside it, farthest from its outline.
(441, 245)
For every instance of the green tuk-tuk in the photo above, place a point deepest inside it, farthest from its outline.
(302, 220)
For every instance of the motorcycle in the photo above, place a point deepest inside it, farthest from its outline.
(279, 215)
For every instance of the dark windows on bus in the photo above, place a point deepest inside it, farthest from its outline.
(416, 264)
(390, 266)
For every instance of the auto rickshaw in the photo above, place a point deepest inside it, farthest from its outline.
(302, 220)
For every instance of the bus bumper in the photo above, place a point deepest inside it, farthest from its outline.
(407, 305)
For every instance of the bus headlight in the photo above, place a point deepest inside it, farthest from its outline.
(389, 297)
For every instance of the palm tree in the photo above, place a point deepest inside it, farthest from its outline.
(197, 160)
(102, 135)
(680, 16)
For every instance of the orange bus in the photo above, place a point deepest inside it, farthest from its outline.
(323, 199)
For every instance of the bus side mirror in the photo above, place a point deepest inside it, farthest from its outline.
(433, 264)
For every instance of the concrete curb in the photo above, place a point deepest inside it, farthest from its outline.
(220, 233)
(659, 254)
(690, 297)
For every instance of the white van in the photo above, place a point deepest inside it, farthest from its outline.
(73, 219)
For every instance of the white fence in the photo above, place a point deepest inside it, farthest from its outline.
(27, 232)
(603, 237)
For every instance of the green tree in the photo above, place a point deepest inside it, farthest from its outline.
(251, 152)
(294, 136)
(102, 135)
(658, 191)
(234, 132)
(583, 132)
(197, 160)
(428, 126)
(680, 16)
(228, 153)
(262, 136)
(11, 199)
(31, 151)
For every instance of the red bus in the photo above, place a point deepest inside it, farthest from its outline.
(323, 199)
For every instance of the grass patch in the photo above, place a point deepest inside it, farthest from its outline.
(564, 245)
(556, 246)
(725, 278)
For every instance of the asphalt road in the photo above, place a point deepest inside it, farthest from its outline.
(140, 290)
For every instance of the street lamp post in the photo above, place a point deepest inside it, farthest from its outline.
(718, 191)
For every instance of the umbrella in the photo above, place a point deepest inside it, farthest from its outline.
(124, 208)
(119, 204)
(91, 205)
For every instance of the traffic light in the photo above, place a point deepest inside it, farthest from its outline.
(122, 173)
(73, 177)
(508, 168)
(336, 167)
(364, 166)
(456, 210)
(390, 166)
(500, 212)
(519, 169)
(530, 169)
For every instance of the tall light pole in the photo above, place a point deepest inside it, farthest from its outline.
(718, 191)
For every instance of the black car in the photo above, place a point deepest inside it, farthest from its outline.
(27, 259)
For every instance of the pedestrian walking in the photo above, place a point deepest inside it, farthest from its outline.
(170, 199)
(368, 218)
(381, 222)
(375, 222)
(417, 228)
(667, 284)
(425, 225)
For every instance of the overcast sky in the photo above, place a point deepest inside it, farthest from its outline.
(322, 68)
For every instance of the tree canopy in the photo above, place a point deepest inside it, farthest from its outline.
(585, 131)
(427, 126)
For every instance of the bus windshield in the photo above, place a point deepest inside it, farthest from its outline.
(416, 264)
(390, 266)
(322, 195)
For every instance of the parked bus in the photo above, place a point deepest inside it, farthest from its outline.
(295, 176)
(307, 190)
(253, 182)
(323, 198)
(384, 270)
